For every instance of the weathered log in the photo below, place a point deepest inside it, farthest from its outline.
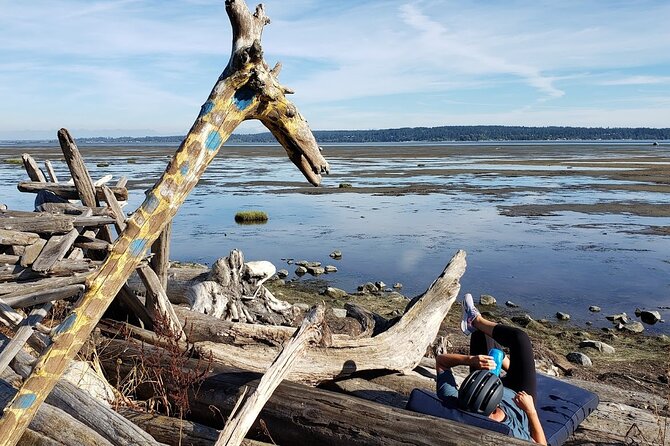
(364, 389)
(73, 209)
(17, 237)
(400, 347)
(8, 290)
(299, 414)
(68, 191)
(137, 308)
(311, 331)
(160, 261)
(9, 259)
(85, 242)
(50, 171)
(372, 323)
(158, 305)
(65, 267)
(32, 252)
(25, 330)
(247, 89)
(82, 180)
(115, 207)
(32, 169)
(37, 222)
(54, 250)
(43, 296)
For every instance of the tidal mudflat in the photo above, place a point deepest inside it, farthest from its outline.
(550, 226)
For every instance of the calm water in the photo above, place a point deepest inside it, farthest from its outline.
(545, 264)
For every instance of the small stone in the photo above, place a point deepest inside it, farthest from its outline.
(315, 270)
(511, 304)
(368, 288)
(589, 323)
(523, 321)
(340, 312)
(336, 254)
(300, 271)
(544, 321)
(395, 295)
(633, 327)
(620, 317)
(380, 285)
(312, 264)
(301, 262)
(650, 317)
(664, 338)
(562, 316)
(600, 346)
(335, 293)
(594, 309)
(396, 313)
(330, 269)
(637, 312)
(397, 286)
(487, 299)
(282, 273)
(579, 358)
(289, 262)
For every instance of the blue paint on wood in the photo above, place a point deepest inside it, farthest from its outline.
(25, 401)
(206, 108)
(66, 324)
(213, 141)
(243, 98)
(184, 168)
(137, 247)
(151, 203)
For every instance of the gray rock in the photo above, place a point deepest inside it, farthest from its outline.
(487, 299)
(397, 286)
(395, 295)
(594, 309)
(620, 317)
(511, 304)
(368, 288)
(300, 271)
(282, 273)
(589, 323)
(336, 254)
(312, 264)
(340, 312)
(650, 317)
(562, 316)
(633, 327)
(523, 321)
(664, 338)
(301, 262)
(380, 285)
(579, 358)
(335, 293)
(303, 307)
(315, 270)
(330, 269)
(600, 346)
(279, 282)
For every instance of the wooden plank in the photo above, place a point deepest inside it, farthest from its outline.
(25, 330)
(157, 303)
(43, 296)
(160, 261)
(32, 252)
(122, 182)
(54, 250)
(40, 223)
(51, 171)
(33, 170)
(84, 242)
(115, 207)
(68, 191)
(92, 221)
(44, 284)
(8, 259)
(13, 237)
(63, 267)
(82, 180)
(73, 209)
(13, 320)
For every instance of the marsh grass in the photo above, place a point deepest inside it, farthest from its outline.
(251, 217)
(15, 161)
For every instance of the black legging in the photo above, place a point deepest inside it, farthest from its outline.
(521, 373)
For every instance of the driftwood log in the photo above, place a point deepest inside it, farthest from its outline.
(247, 89)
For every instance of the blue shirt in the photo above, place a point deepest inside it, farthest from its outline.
(515, 418)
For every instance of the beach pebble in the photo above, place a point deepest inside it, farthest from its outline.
(395, 295)
(3, 207)
(620, 317)
(523, 321)
(336, 254)
(380, 285)
(282, 273)
(330, 269)
(562, 316)
(312, 264)
(579, 358)
(600, 346)
(300, 271)
(664, 338)
(511, 304)
(315, 270)
(340, 312)
(594, 309)
(487, 299)
(368, 288)
(397, 286)
(335, 293)
(650, 317)
(301, 262)
(633, 327)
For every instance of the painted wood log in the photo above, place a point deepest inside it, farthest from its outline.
(247, 89)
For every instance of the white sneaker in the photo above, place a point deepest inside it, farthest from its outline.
(470, 313)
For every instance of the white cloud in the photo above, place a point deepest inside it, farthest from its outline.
(638, 80)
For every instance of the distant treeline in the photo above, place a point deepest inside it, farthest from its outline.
(436, 134)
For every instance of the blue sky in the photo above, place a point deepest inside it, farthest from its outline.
(138, 67)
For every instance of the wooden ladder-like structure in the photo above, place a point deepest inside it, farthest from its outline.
(247, 89)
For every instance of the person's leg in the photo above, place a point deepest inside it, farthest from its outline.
(521, 372)
(477, 345)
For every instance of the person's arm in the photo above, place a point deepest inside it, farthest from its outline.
(449, 360)
(525, 402)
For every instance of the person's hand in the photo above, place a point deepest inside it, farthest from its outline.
(482, 362)
(525, 402)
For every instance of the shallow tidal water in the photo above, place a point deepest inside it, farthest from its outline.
(562, 262)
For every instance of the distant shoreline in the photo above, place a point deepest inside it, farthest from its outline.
(444, 134)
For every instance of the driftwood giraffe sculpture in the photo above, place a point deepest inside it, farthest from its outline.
(247, 89)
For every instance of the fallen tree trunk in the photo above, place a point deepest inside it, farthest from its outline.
(298, 414)
(400, 347)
